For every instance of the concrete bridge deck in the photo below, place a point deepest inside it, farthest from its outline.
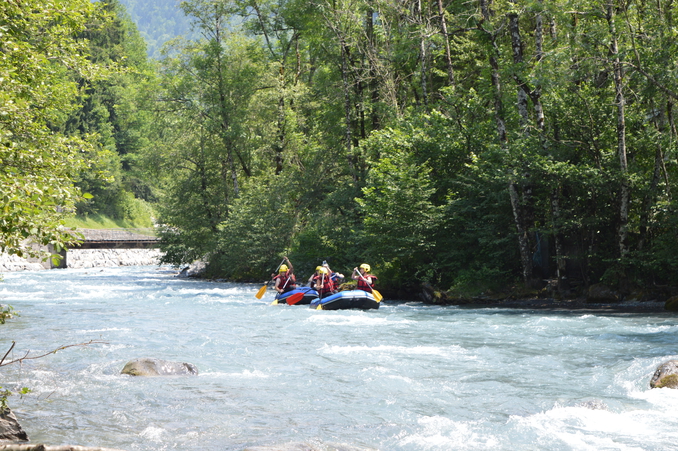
(116, 239)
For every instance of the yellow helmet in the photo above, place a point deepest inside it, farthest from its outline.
(283, 268)
(323, 270)
(366, 267)
(318, 268)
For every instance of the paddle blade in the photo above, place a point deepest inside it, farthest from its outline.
(261, 292)
(296, 297)
(377, 295)
(275, 302)
(319, 307)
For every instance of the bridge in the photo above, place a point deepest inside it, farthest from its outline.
(107, 239)
(117, 239)
(93, 239)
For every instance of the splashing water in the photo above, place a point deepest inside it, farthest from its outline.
(404, 377)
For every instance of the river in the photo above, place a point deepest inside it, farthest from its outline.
(405, 377)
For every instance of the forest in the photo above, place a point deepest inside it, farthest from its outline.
(474, 146)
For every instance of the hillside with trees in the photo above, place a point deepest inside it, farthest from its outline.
(471, 145)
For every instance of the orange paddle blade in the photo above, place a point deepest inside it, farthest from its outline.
(261, 292)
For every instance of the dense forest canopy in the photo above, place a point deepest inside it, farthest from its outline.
(472, 145)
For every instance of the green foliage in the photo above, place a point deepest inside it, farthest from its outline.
(115, 109)
(6, 312)
(400, 219)
(340, 131)
(5, 393)
(260, 227)
(42, 55)
(105, 222)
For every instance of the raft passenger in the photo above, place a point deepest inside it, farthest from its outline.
(323, 282)
(311, 280)
(364, 279)
(285, 280)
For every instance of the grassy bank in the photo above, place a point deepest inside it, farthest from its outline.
(105, 222)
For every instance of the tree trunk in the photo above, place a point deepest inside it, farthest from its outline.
(347, 102)
(523, 242)
(517, 48)
(448, 53)
(371, 53)
(423, 45)
(624, 189)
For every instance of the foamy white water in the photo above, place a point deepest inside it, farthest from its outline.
(404, 377)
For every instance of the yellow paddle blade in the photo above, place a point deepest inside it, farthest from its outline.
(261, 292)
(275, 302)
(319, 307)
(377, 295)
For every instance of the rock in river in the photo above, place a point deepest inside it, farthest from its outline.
(10, 429)
(666, 375)
(157, 367)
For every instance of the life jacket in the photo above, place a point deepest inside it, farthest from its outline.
(286, 281)
(362, 285)
(327, 282)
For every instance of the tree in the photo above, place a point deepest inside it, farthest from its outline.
(400, 217)
(116, 109)
(41, 52)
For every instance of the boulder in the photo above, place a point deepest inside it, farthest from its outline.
(157, 367)
(195, 269)
(430, 295)
(672, 304)
(10, 429)
(666, 375)
(601, 294)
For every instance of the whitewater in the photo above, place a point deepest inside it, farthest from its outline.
(407, 376)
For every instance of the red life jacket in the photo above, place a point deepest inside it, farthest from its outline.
(362, 285)
(327, 282)
(287, 283)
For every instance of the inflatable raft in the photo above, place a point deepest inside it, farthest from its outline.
(309, 295)
(351, 299)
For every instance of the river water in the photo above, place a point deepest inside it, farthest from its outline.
(405, 377)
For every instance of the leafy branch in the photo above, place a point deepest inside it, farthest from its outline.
(6, 312)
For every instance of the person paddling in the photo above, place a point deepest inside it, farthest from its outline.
(323, 282)
(312, 279)
(364, 279)
(285, 280)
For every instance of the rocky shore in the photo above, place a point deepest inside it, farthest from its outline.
(597, 298)
(121, 250)
(86, 258)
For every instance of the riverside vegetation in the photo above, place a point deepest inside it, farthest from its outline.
(473, 146)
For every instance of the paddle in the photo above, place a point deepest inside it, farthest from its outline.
(320, 293)
(377, 296)
(262, 290)
(296, 297)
